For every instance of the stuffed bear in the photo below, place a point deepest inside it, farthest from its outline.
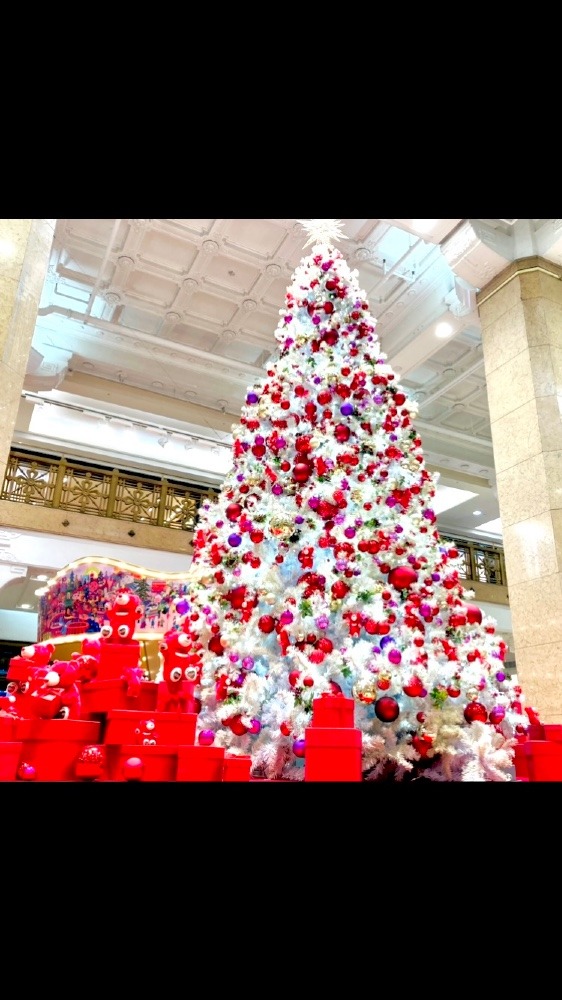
(122, 618)
(58, 696)
(181, 672)
(25, 674)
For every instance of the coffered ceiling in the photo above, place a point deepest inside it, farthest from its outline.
(149, 332)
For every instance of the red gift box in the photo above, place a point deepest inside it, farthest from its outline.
(152, 763)
(7, 727)
(332, 754)
(103, 696)
(53, 746)
(544, 760)
(236, 767)
(198, 763)
(552, 732)
(520, 762)
(333, 711)
(10, 754)
(115, 657)
(168, 729)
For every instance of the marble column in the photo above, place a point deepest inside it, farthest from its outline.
(521, 318)
(25, 246)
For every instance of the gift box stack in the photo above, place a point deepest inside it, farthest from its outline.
(96, 717)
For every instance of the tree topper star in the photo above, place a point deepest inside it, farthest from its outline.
(326, 231)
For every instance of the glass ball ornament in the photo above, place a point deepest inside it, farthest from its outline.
(475, 712)
(387, 709)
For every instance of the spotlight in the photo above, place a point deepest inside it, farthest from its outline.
(163, 441)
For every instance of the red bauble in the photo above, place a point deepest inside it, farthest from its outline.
(132, 769)
(339, 589)
(294, 678)
(473, 614)
(26, 772)
(301, 472)
(233, 511)
(413, 688)
(237, 726)
(422, 744)
(215, 646)
(266, 623)
(402, 577)
(475, 712)
(387, 709)
(286, 728)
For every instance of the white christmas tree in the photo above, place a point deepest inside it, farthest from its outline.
(319, 570)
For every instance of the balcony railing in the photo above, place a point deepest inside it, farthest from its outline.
(71, 486)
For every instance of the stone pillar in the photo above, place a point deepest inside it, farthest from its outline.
(25, 247)
(521, 317)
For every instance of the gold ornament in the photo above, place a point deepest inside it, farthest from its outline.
(365, 692)
(281, 528)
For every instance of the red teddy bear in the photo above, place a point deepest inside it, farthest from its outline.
(181, 672)
(122, 619)
(58, 697)
(25, 674)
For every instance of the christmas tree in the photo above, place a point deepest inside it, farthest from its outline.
(319, 570)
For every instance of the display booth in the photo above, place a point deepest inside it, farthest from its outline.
(73, 604)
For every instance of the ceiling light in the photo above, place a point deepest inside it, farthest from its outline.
(476, 513)
(40, 577)
(423, 225)
(447, 497)
(443, 330)
(163, 441)
(24, 607)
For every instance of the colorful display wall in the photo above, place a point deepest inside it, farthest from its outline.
(74, 601)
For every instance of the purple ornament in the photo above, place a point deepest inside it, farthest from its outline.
(286, 617)
(182, 607)
(252, 397)
(390, 502)
(395, 656)
(248, 662)
(500, 676)
(385, 641)
(206, 737)
(277, 489)
(346, 409)
(299, 748)
(234, 540)
(349, 532)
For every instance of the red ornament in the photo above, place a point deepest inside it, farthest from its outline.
(301, 472)
(233, 511)
(422, 744)
(266, 623)
(237, 726)
(402, 577)
(473, 614)
(475, 712)
(26, 772)
(387, 709)
(413, 688)
(132, 769)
